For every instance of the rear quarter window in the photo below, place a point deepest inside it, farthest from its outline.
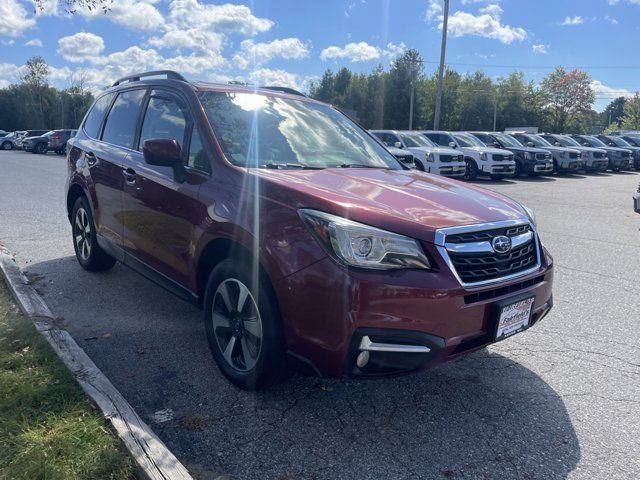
(96, 114)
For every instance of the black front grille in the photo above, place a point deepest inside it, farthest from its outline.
(478, 266)
(574, 155)
(543, 156)
(450, 158)
(501, 158)
(598, 155)
(499, 292)
(487, 235)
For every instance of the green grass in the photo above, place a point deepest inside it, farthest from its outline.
(48, 428)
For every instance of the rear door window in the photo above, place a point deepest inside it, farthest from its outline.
(122, 120)
(94, 118)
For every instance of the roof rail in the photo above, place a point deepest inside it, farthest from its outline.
(288, 90)
(136, 77)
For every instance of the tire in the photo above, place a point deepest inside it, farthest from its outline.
(7, 146)
(517, 171)
(419, 165)
(59, 152)
(88, 253)
(40, 148)
(256, 358)
(471, 172)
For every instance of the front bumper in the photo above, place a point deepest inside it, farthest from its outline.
(539, 166)
(328, 309)
(596, 164)
(618, 163)
(450, 170)
(572, 165)
(502, 168)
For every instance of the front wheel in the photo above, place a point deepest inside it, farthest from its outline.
(89, 254)
(40, 148)
(471, 172)
(7, 145)
(517, 171)
(243, 325)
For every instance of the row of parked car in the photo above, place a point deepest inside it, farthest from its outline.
(37, 141)
(510, 154)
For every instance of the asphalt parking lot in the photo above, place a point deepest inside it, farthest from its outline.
(561, 400)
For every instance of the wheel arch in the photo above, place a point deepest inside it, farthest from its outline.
(75, 191)
(222, 248)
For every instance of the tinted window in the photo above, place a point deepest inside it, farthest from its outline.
(292, 133)
(94, 119)
(120, 127)
(166, 117)
(197, 155)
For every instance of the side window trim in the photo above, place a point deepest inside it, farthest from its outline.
(104, 116)
(108, 112)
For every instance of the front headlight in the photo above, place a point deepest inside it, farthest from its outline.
(563, 154)
(483, 156)
(430, 157)
(358, 245)
(530, 214)
(528, 156)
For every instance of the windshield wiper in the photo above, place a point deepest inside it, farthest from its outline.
(300, 166)
(360, 165)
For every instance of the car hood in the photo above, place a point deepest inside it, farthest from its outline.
(398, 151)
(527, 149)
(408, 202)
(588, 149)
(615, 149)
(491, 150)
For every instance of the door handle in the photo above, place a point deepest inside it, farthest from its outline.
(91, 158)
(129, 175)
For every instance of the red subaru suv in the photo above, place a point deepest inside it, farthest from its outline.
(297, 233)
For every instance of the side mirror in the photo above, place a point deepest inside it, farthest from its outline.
(163, 152)
(397, 145)
(530, 144)
(496, 144)
(452, 144)
(557, 144)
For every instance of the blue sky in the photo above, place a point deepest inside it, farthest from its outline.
(293, 42)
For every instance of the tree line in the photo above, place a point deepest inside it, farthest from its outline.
(563, 102)
(32, 103)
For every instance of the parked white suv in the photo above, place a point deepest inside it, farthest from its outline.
(480, 159)
(427, 155)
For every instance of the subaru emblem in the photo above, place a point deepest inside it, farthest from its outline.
(501, 244)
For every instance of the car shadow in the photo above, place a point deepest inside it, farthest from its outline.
(481, 416)
(535, 179)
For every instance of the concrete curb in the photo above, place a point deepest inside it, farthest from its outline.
(151, 454)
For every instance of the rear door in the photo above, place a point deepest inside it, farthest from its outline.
(160, 212)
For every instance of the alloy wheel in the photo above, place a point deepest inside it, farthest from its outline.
(82, 233)
(237, 324)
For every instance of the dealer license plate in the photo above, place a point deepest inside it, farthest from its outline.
(514, 318)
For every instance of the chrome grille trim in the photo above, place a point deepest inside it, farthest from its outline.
(522, 239)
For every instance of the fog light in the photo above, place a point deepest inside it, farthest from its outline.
(362, 359)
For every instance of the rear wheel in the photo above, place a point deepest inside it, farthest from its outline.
(40, 148)
(243, 326)
(7, 145)
(89, 254)
(471, 171)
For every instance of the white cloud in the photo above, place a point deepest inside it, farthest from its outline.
(493, 10)
(261, 53)
(434, 10)
(13, 19)
(221, 18)
(603, 90)
(612, 20)
(81, 47)
(200, 41)
(34, 42)
(46, 7)
(484, 25)
(282, 78)
(393, 51)
(136, 15)
(355, 52)
(568, 21)
(540, 48)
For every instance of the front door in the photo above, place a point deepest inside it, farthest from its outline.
(160, 213)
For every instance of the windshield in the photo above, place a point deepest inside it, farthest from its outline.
(620, 142)
(507, 140)
(635, 141)
(415, 140)
(566, 141)
(466, 140)
(537, 141)
(256, 130)
(595, 142)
